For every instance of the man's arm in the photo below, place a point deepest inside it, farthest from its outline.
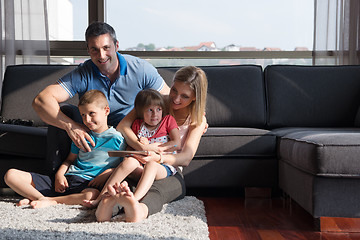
(46, 104)
(165, 89)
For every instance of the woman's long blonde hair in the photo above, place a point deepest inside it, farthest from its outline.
(197, 80)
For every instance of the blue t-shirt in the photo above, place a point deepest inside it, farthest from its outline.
(135, 75)
(88, 165)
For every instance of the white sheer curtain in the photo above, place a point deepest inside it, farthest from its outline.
(24, 36)
(336, 32)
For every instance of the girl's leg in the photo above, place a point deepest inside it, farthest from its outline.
(104, 210)
(21, 182)
(127, 166)
(152, 171)
(134, 210)
(163, 191)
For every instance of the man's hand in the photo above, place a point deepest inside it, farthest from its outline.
(78, 134)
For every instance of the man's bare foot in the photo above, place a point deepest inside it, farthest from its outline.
(134, 210)
(42, 203)
(23, 202)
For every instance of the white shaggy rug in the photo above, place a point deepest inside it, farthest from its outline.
(183, 219)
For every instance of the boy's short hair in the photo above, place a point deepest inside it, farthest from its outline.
(94, 96)
(146, 98)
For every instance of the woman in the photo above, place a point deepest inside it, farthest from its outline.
(187, 100)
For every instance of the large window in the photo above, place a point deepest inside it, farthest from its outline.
(188, 32)
(68, 19)
(229, 25)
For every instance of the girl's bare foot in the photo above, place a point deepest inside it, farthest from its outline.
(113, 189)
(23, 202)
(134, 210)
(44, 202)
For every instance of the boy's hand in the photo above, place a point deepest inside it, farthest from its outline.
(61, 184)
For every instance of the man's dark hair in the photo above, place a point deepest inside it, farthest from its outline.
(96, 29)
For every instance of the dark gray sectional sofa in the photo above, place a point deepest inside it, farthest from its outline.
(294, 128)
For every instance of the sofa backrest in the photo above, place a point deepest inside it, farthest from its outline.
(236, 95)
(312, 96)
(22, 83)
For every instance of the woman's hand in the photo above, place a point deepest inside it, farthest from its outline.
(152, 156)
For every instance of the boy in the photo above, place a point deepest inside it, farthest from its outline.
(82, 174)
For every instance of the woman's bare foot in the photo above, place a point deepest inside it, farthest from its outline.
(23, 202)
(134, 210)
(42, 203)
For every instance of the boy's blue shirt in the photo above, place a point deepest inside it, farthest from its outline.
(88, 165)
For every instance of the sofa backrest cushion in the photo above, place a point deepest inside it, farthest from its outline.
(312, 96)
(236, 95)
(22, 83)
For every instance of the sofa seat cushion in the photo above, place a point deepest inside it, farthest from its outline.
(23, 140)
(321, 152)
(237, 142)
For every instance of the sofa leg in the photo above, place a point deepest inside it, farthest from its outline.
(338, 224)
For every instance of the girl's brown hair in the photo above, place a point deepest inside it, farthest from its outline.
(148, 97)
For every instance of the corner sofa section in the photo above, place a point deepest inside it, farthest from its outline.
(293, 127)
(313, 110)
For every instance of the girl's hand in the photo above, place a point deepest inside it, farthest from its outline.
(152, 147)
(144, 140)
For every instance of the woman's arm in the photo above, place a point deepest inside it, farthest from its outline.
(174, 144)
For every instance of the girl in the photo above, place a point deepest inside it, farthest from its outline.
(151, 126)
(187, 100)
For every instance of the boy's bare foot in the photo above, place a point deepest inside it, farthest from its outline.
(134, 210)
(90, 203)
(23, 202)
(42, 203)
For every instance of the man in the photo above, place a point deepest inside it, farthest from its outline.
(119, 77)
